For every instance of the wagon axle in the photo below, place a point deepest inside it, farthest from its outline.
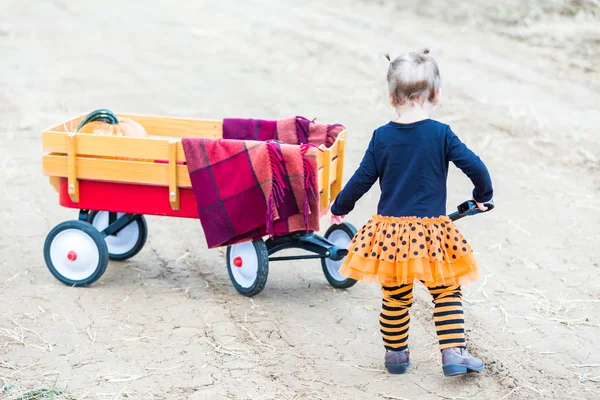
(248, 263)
(311, 242)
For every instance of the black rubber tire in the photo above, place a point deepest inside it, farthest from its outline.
(262, 272)
(350, 230)
(98, 239)
(139, 245)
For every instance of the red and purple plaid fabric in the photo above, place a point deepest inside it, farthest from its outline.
(248, 189)
(294, 130)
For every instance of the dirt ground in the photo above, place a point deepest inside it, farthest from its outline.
(522, 91)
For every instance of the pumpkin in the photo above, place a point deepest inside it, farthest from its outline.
(105, 122)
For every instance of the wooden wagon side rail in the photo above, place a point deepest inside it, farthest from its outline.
(93, 168)
(340, 153)
(331, 169)
(160, 126)
(151, 148)
(156, 160)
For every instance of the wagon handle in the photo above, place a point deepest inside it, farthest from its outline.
(102, 114)
(469, 208)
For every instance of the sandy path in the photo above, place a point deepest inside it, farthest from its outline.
(164, 327)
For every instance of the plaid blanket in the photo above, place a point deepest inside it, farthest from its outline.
(295, 130)
(249, 189)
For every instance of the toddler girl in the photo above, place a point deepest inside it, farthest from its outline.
(410, 238)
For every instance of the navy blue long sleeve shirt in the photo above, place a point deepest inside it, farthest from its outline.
(411, 162)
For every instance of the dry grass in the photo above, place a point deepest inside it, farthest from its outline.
(19, 335)
(14, 391)
(560, 309)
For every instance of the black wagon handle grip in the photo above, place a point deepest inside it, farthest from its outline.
(469, 208)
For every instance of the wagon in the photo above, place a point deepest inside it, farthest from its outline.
(114, 181)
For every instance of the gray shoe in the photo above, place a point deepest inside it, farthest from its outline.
(397, 361)
(458, 361)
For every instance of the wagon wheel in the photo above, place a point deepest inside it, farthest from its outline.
(248, 266)
(76, 253)
(341, 236)
(128, 241)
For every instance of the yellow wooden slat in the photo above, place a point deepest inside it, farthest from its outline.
(160, 126)
(73, 187)
(173, 189)
(116, 170)
(326, 176)
(339, 168)
(112, 146)
(335, 153)
(332, 176)
(178, 127)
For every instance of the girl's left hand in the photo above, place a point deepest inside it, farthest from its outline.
(481, 206)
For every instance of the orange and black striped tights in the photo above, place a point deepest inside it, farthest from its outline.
(447, 315)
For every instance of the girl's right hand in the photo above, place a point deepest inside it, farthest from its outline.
(336, 219)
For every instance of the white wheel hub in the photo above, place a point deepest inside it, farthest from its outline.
(122, 242)
(341, 240)
(74, 254)
(243, 262)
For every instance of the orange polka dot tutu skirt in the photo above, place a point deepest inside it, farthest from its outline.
(396, 251)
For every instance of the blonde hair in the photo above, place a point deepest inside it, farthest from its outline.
(413, 77)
